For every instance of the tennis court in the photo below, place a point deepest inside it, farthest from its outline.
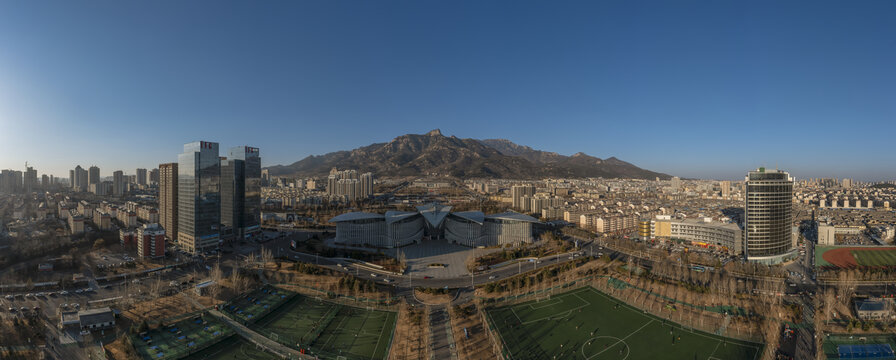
(233, 348)
(866, 346)
(329, 329)
(587, 324)
(181, 338)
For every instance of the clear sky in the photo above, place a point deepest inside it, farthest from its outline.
(705, 89)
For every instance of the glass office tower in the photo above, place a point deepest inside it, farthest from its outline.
(198, 198)
(232, 196)
(248, 221)
(768, 216)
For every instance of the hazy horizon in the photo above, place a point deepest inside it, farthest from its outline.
(693, 90)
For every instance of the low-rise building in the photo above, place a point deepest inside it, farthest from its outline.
(873, 309)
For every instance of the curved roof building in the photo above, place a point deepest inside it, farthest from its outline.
(400, 228)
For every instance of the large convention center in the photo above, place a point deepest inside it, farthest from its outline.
(434, 222)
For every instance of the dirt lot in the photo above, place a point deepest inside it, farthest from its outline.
(476, 344)
(411, 335)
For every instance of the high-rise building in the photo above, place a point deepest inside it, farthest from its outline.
(366, 184)
(81, 178)
(349, 185)
(233, 183)
(141, 177)
(676, 183)
(168, 199)
(154, 176)
(725, 187)
(71, 179)
(518, 193)
(248, 191)
(29, 182)
(768, 217)
(93, 175)
(118, 183)
(198, 198)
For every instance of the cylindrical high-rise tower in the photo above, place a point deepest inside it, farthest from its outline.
(768, 216)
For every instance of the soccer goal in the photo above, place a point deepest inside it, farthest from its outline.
(274, 336)
(542, 297)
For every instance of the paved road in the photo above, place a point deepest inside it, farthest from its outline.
(441, 344)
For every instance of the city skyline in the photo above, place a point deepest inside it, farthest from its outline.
(681, 89)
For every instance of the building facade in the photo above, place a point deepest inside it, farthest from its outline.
(198, 198)
(433, 222)
(168, 199)
(768, 216)
(150, 241)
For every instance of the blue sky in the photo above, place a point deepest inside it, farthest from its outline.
(697, 89)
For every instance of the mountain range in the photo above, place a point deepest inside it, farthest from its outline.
(433, 154)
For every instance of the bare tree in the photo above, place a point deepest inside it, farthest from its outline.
(266, 257)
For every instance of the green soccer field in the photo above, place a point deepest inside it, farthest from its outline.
(330, 329)
(587, 324)
(875, 257)
(233, 348)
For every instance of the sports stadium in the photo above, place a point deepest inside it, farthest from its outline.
(434, 222)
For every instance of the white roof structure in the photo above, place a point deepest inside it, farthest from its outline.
(394, 216)
(513, 216)
(474, 216)
(355, 216)
(434, 213)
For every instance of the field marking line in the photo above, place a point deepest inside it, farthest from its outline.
(360, 330)
(714, 350)
(680, 326)
(338, 328)
(382, 329)
(620, 341)
(555, 315)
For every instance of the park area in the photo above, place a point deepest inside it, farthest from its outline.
(868, 347)
(330, 330)
(855, 256)
(180, 339)
(587, 324)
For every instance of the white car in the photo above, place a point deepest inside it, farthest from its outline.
(63, 292)
(372, 275)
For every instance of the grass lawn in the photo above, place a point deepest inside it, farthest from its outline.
(819, 260)
(233, 348)
(330, 329)
(587, 324)
(875, 257)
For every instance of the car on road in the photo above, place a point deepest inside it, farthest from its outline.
(427, 277)
(23, 309)
(79, 291)
(10, 297)
(63, 293)
(372, 275)
(492, 277)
